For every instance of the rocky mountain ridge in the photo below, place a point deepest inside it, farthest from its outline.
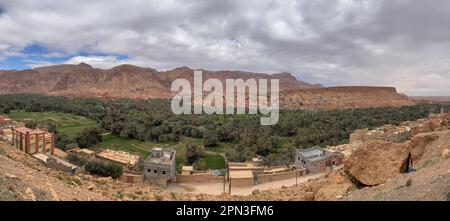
(128, 81)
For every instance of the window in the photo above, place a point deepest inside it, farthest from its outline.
(164, 172)
(155, 171)
(148, 170)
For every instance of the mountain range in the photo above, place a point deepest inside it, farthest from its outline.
(128, 81)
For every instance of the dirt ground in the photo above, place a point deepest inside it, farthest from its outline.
(217, 188)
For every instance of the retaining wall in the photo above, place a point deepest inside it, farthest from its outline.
(199, 178)
(265, 178)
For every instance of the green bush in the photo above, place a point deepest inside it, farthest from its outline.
(104, 169)
(98, 167)
(31, 124)
(89, 137)
(200, 165)
(408, 182)
(74, 159)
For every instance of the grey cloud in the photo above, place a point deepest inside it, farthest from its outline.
(400, 43)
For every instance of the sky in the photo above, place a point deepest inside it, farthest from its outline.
(400, 43)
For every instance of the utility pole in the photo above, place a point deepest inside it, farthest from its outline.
(229, 181)
(229, 186)
(296, 178)
(224, 180)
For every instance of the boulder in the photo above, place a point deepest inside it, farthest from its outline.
(334, 187)
(421, 128)
(436, 123)
(418, 146)
(309, 196)
(377, 161)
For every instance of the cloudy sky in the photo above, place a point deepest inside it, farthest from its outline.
(401, 43)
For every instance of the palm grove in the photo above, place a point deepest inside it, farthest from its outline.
(152, 120)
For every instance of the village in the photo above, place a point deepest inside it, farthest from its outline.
(159, 168)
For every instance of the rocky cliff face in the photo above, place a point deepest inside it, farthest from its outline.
(344, 97)
(122, 81)
(127, 81)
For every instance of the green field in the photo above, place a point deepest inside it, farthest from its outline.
(114, 142)
(143, 149)
(69, 124)
(214, 161)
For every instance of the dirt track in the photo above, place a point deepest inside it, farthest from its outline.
(217, 188)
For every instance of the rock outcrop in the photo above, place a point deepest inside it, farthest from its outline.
(404, 131)
(344, 98)
(377, 161)
(418, 146)
(122, 81)
(334, 187)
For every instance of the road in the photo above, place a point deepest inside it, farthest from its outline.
(217, 188)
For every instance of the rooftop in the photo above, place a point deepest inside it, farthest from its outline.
(243, 166)
(187, 168)
(236, 174)
(86, 151)
(162, 156)
(24, 130)
(314, 153)
(121, 157)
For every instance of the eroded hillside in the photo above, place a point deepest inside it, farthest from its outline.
(127, 81)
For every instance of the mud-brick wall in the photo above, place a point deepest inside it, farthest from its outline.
(199, 178)
(265, 178)
(242, 182)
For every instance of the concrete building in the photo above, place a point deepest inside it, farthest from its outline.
(317, 160)
(32, 141)
(160, 167)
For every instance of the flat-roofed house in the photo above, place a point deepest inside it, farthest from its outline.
(123, 158)
(317, 160)
(159, 167)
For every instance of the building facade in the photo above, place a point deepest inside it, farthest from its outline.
(32, 141)
(317, 160)
(160, 166)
